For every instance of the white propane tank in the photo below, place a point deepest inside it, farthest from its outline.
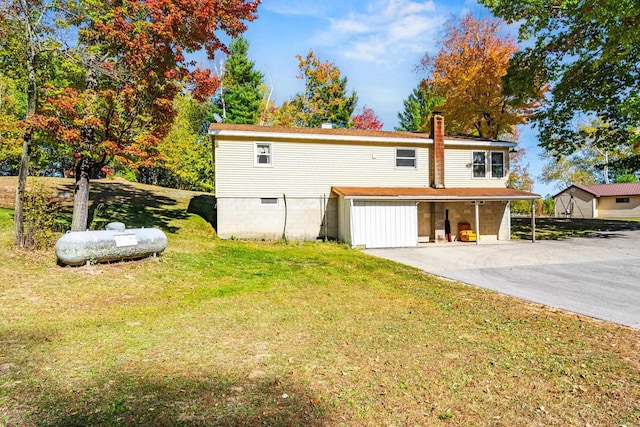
(115, 243)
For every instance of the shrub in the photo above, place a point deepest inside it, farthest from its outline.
(42, 218)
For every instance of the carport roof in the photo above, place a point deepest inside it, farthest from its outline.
(428, 193)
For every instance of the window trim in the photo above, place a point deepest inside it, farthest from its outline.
(473, 164)
(256, 163)
(414, 158)
(504, 166)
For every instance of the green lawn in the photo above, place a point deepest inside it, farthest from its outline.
(235, 333)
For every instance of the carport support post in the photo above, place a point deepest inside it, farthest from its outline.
(477, 203)
(533, 221)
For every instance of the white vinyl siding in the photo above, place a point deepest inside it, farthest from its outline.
(311, 169)
(458, 170)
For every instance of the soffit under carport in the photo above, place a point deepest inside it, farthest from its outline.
(433, 194)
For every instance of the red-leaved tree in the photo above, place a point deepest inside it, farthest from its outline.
(132, 62)
(366, 119)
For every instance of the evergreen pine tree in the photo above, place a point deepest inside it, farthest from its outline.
(242, 89)
(417, 108)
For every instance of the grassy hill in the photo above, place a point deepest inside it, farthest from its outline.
(251, 333)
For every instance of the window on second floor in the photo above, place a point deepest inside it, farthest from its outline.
(497, 164)
(479, 164)
(263, 154)
(405, 157)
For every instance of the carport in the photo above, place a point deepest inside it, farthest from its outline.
(389, 217)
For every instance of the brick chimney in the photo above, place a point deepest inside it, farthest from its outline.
(437, 163)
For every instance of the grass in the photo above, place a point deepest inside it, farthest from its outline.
(237, 333)
(564, 228)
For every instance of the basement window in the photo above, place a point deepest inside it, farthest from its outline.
(622, 200)
(406, 158)
(497, 164)
(479, 164)
(263, 154)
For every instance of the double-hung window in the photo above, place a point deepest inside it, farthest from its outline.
(479, 164)
(497, 164)
(406, 158)
(263, 154)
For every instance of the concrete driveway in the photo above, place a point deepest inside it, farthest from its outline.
(596, 276)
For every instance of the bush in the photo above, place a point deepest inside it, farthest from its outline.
(42, 219)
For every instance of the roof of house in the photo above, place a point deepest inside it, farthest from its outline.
(429, 193)
(608, 190)
(238, 129)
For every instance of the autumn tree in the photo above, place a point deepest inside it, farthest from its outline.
(467, 72)
(417, 110)
(26, 38)
(241, 92)
(366, 119)
(133, 54)
(325, 97)
(12, 111)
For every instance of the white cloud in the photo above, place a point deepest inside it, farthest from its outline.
(384, 31)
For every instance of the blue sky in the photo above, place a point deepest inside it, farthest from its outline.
(376, 44)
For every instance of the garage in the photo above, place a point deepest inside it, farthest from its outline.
(384, 224)
(389, 217)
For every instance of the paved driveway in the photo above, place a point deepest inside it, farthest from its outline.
(596, 276)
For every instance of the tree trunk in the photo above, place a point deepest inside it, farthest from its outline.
(81, 196)
(18, 218)
(83, 164)
(32, 92)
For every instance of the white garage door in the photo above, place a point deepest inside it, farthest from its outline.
(384, 224)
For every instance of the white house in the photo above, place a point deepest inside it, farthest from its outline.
(365, 188)
(599, 201)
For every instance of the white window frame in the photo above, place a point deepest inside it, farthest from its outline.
(473, 164)
(257, 153)
(414, 158)
(504, 164)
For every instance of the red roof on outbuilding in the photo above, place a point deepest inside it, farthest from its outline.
(612, 190)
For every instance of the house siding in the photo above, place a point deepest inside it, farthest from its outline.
(458, 171)
(608, 208)
(581, 205)
(310, 169)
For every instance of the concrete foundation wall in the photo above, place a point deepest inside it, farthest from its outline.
(255, 218)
